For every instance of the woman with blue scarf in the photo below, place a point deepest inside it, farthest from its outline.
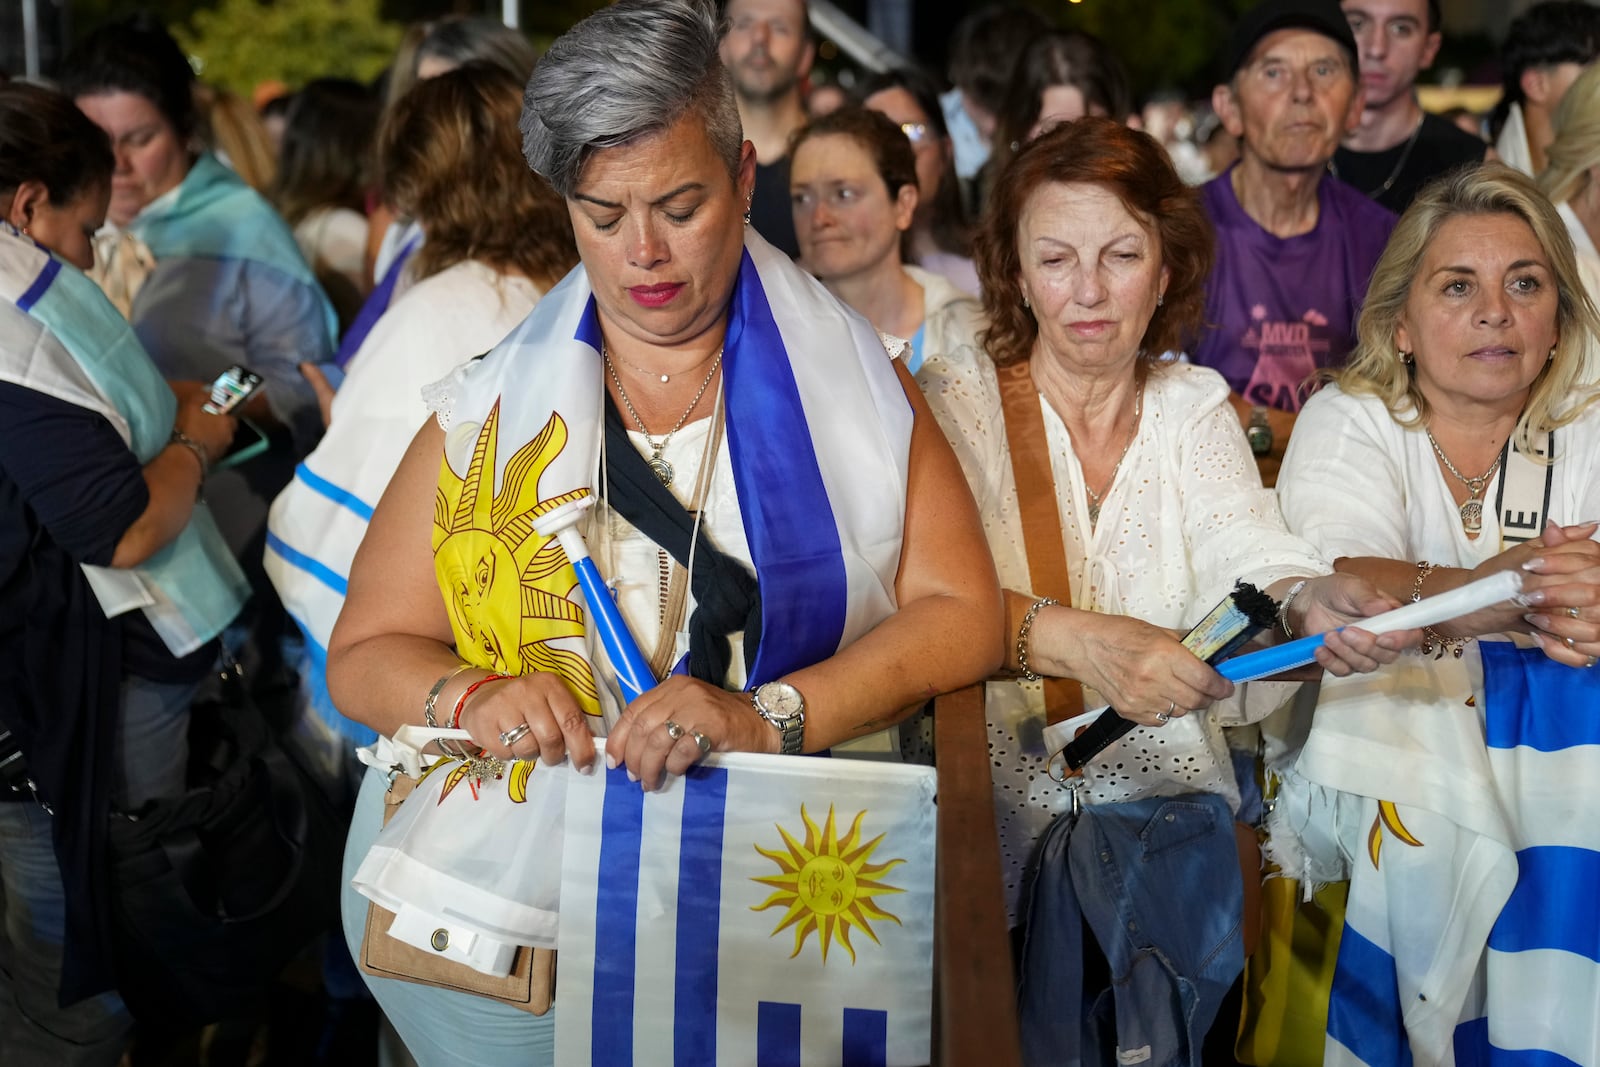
(789, 534)
(221, 279)
(114, 582)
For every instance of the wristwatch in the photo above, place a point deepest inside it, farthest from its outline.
(1259, 432)
(782, 705)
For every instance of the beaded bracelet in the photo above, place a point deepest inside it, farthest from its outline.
(431, 704)
(461, 701)
(1025, 630)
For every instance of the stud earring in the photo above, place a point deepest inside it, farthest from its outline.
(1025, 302)
(1405, 357)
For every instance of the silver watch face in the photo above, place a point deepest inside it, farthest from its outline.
(782, 700)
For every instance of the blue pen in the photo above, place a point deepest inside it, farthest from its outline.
(633, 670)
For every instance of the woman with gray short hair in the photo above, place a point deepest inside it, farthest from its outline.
(789, 534)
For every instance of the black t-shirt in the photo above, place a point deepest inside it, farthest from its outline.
(1441, 146)
(770, 211)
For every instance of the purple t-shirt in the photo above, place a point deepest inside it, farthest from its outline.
(1280, 308)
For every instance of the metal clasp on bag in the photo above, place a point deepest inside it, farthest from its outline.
(1075, 786)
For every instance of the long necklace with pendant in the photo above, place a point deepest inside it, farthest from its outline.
(1394, 175)
(1094, 497)
(1472, 509)
(662, 469)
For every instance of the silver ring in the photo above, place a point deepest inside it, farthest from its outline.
(674, 731)
(515, 734)
(702, 740)
(1572, 642)
(1164, 717)
(1572, 613)
(1592, 661)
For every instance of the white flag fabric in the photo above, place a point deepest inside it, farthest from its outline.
(762, 911)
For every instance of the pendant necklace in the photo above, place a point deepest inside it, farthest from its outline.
(1133, 433)
(1394, 175)
(1472, 510)
(665, 378)
(661, 468)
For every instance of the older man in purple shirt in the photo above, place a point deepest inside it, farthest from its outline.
(1295, 247)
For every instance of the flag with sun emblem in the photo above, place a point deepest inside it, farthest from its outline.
(760, 911)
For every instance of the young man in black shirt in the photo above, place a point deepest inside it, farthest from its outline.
(1398, 148)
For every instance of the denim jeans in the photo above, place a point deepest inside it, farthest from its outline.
(152, 753)
(1156, 883)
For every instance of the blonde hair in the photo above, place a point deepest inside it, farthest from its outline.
(1577, 144)
(1376, 368)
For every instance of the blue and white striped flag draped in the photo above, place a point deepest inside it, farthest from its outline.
(763, 911)
(1535, 997)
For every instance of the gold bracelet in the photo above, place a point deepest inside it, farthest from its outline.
(1434, 642)
(1025, 630)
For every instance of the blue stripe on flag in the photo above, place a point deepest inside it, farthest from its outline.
(793, 536)
(1472, 1049)
(317, 569)
(1522, 685)
(616, 919)
(1364, 1005)
(866, 1038)
(1552, 906)
(777, 1034)
(40, 285)
(694, 1030)
(341, 496)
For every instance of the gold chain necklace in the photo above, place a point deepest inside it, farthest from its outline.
(661, 468)
(1472, 510)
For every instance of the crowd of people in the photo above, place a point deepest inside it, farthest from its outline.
(879, 394)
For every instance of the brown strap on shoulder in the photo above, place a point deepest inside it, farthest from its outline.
(1041, 515)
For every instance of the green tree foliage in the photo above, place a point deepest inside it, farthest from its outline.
(240, 43)
(1176, 43)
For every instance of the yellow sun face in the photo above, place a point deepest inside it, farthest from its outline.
(827, 885)
(505, 588)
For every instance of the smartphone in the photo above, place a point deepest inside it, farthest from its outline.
(232, 388)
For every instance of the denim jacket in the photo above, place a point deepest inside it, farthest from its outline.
(1156, 881)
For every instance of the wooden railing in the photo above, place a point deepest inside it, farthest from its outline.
(975, 1010)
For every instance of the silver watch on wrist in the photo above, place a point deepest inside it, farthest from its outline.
(782, 705)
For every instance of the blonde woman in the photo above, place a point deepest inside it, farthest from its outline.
(1458, 443)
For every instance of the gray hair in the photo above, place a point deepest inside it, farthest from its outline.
(628, 70)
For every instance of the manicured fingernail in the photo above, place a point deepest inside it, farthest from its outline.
(1541, 621)
(1533, 564)
(587, 768)
(1538, 596)
(632, 777)
(611, 762)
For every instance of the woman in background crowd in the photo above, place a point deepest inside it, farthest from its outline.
(853, 178)
(227, 286)
(1461, 440)
(1064, 75)
(324, 177)
(940, 238)
(100, 468)
(443, 45)
(498, 237)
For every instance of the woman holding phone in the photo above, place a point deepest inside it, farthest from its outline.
(100, 468)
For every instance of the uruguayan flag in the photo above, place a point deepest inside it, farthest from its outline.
(1512, 924)
(761, 911)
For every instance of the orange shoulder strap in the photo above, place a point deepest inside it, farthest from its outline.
(1041, 516)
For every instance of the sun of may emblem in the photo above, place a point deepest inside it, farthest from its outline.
(827, 885)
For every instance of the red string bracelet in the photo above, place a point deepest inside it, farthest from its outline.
(461, 701)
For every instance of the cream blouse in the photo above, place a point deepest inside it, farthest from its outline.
(1185, 517)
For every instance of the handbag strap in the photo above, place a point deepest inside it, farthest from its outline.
(1041, 515)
